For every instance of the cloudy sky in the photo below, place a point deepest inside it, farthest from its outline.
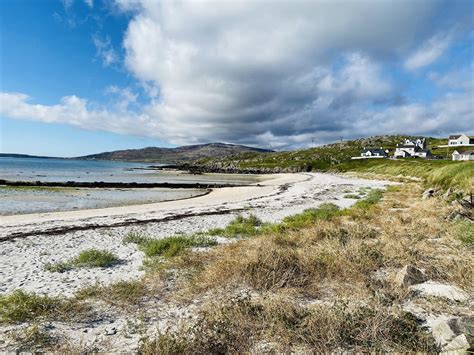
(82, 76)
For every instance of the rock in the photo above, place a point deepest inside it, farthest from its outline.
(447, 194)
(409, 275)
(440, 330)
(435, 289)
(111, 331)
(428, 193)
(459, 343)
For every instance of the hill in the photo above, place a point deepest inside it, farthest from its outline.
(26, 156)
(176, 155)
(318, 158)
(336, 157)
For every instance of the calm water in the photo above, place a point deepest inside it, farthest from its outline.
(29, 200)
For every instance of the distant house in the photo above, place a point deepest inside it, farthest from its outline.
(460, 140)
(368, 153)
(412, 148)
(463, 155)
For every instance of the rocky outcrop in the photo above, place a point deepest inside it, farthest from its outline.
(435, 289)
(409, 275)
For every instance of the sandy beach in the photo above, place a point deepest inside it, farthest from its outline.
(30, 241)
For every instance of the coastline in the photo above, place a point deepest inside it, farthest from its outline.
(31, 241)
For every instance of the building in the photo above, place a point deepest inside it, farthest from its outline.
(460, 140)
(463, 155)
(412, 148)
(368, 153)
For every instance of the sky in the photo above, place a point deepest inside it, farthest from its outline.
(85, 76)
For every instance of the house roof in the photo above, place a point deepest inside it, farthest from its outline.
(455, 136)
(374, 150)
(464, 152)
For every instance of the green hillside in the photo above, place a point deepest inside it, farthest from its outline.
(337, 157)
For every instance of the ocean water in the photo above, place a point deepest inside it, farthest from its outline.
(19, 200)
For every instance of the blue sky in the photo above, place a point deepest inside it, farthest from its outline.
(83, 76)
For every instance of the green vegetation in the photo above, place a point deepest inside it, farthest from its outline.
(121, 293)
(87, 258)
(33, 338)
(441, 173)
(352, 196)
(236, 325)
(168, 247)
(20, 306)
(240, 227)
(464, 231)
(325, 212)
(337, 157)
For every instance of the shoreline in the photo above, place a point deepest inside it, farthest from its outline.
(29, 242)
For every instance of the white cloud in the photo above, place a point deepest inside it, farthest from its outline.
(258, 73)
(430, 51)
(89, 3)
(105, 50)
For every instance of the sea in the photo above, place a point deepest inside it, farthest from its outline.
(21, 200)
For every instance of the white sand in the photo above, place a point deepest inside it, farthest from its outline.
(22, 258)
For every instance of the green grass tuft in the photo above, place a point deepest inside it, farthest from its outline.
(325, 211)
(173, 246)
(240, 227)
(20, 306)
(465, 232)
(87, 258)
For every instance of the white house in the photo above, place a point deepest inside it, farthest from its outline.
(369, 153)
(460, 140)
(463, 155)
(412, 148)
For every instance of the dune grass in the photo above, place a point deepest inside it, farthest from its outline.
(326, 256)
(169, 246)
(437, 173)
(121, 293)
(240, 227)
(86, 259)
(238, 325)
(20, 306)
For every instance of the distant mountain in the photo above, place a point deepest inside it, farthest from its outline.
(14, 155)
(175, 155)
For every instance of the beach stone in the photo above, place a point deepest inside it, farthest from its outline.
(111, 331)
(459, 343)
(441, 330)
(435, 289)
(409, 275)
(428, 193)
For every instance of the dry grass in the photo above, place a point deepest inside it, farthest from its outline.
(329, 259)
(305, 285)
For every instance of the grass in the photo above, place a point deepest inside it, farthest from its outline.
(32, 339)
(122, 293)
(20, 306)
(167, 247)
(352, 196)
(236, 325)
(326, 255)
(464, 231)
(86, 259)
(240, 227)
